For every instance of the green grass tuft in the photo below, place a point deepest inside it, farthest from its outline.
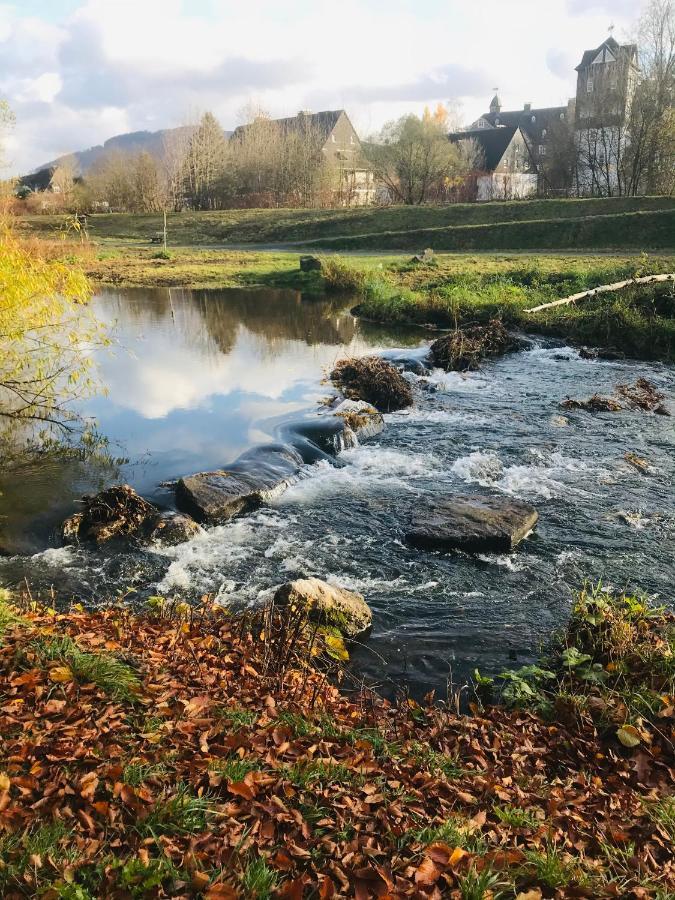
(102, 669)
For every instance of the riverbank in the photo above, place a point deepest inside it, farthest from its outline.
(446, 290)
(182, 752)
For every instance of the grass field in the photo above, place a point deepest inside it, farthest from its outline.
(602, 223)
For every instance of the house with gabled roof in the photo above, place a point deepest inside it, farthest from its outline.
(504, 166)
(336, 139)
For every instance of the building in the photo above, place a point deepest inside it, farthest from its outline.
(336, 139)
(606, 80)
(504, 167)
(591, 127)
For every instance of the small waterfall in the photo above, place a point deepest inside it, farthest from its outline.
(345, 440)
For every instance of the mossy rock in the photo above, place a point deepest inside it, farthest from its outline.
(327, 604)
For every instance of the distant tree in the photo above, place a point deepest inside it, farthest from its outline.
(173, 163)
(149, 193)
(63, 179)
(413, 158)
(205, 163)
(110, 181)
(649, 163)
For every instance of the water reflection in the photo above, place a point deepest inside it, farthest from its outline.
(196, 377)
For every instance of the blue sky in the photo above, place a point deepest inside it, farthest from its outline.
(79, 71)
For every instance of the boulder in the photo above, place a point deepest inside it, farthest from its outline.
(473, 523)
(327, 605)
(310, 264)
(117, 512)
(360, 417)
(174, 528)
(256, 477)
(426, 256)
(374, 380)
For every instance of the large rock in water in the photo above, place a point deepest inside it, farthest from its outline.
(474, 523)
(327, 604)
(360, 417)
(256, 477)
(174, 528)
(117, 512)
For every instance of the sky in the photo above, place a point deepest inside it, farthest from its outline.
(77, 72)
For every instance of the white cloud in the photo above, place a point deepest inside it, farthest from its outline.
(134, 64)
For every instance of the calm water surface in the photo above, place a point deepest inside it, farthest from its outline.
(199, 377)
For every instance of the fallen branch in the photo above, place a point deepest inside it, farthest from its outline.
(603, 289)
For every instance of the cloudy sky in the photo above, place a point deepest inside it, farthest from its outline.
(79, 71)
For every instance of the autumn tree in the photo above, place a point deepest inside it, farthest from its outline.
(414, 158)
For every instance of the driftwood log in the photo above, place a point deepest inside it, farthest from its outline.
(603, 289)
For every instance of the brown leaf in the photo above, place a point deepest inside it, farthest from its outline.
(241, 789)
(427, 873)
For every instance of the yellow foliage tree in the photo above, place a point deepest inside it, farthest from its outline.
(47, 333)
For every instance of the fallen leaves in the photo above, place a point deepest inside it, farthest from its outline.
(219, 774)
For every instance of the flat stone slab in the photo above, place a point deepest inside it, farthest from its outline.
(472, 523)
(255, 478)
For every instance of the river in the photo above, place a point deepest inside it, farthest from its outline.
(198, 377)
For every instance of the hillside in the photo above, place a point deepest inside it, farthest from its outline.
(133, 142)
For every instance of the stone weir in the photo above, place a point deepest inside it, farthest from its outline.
(264, 472)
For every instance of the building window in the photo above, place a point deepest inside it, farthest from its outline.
(533, 119)
(589, 86)
(542, 149)
(543, 133)
(562, 116)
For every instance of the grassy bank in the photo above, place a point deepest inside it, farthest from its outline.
(639, 322)
(637, 230)
(638, 222)
(184, 753)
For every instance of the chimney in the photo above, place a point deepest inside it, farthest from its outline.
(527, 107)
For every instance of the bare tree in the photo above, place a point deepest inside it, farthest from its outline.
(205, 163)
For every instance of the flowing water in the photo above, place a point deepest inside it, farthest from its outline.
(199, 377)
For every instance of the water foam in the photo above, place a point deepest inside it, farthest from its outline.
(541, 479)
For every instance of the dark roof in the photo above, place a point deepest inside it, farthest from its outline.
(40, 180)
(522, 118)
(324, 122)
(611, 44)
(493, 142)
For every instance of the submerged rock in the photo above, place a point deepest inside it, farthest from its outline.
(174, 528)
(360, 417)
(596, 403)
(327, 604)
(256, 477)
(116, 512)
(464, 348)
(374, 380)
(473, 523)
